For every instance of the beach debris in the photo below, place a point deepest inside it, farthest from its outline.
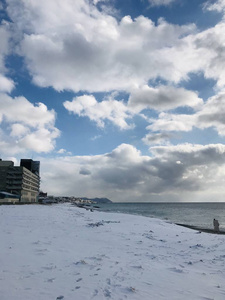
(101, 223)
(81, 262)
(97, 224)
(137, 267)
(196, 246)
(108, 222)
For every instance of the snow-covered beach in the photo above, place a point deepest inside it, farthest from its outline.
(65, 252)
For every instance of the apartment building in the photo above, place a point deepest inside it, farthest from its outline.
(23, 180)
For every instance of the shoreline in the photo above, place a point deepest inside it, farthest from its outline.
(200, 229)
(193, 227)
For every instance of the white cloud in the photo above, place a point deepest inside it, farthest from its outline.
(173, 122)
(157, 138)
(161, 2)
(4, 35)
(64, 152)
(20, 109)
(27, 127)
(6, 84)
(96, 137)
(18, 130)
(74, 46)
(163, 98)
(213, 41)
(211, 115)
(160, 99)
(61, 151)
(218, 5)
(40, 140)
(112, 110)
(185, 172)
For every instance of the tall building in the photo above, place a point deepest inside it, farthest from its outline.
(23, 180)
(33, 166)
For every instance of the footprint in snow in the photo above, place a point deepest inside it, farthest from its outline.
(50, 279)
(95, 293)
(176, 270)
(107, 293)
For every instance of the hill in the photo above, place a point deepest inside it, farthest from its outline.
(98, 200)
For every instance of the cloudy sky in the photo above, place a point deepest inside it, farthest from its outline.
(122, 99)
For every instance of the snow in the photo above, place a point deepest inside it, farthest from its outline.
(64, 252)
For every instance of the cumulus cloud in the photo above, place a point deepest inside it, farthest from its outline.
(77, 47)
(212, 41)
(4, 35)
(112, 110)
(41, 140)
(157, 138)
(20, 109)
(118, 112)
(188, 171)
(74, 46)
(173, 122)
(211, 115)
(18, 130)
(163, 98)
(6, 84)
(22, 131)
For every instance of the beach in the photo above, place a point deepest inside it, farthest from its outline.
(65, 252)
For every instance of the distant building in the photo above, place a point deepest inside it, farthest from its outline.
(43, 195)
(23, 180)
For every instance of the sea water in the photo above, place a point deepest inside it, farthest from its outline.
(194, 214)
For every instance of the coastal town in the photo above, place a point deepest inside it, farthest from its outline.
(21, 185)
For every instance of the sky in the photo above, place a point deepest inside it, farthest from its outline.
(123, 99)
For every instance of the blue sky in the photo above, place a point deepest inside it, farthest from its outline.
(117, 99)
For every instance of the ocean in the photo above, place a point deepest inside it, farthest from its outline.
(193, 214)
